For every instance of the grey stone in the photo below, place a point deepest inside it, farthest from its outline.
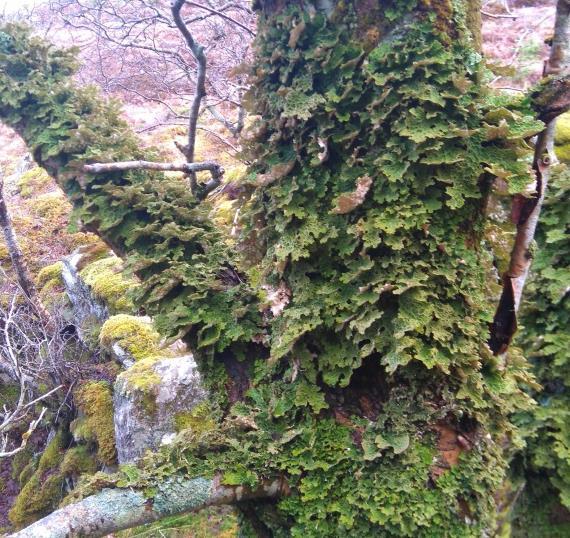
(142, 425)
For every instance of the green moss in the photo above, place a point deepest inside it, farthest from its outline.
(44, 488)
(52, 206)
(27, 472)
(198, 420)
(50, 273)
(9, 393)
(20, 460)
(106, 279)
(34, 181)
(95, 400)
(78, 460)
(135, 335)
(562, 137)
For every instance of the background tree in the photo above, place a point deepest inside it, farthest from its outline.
(366, 398)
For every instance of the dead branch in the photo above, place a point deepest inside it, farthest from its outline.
(201, 191)
(112, 510)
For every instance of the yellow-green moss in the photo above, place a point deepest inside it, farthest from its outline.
(78, 460)
(133, 334)
(34, 181)
(44, 489)
(50, 272)
(198, 420)
(562, 137)
(108, 284)
(27, 473)
(95, 400)
(9, 393)
(51, 206)
(20, 461)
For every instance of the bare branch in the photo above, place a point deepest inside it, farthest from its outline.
(112, 510)
(223, 15)
(200, 191)
(198, 52)
(526, 210)
(33, 425)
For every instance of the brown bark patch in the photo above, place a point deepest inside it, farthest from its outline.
(444, 21)
(450, 445)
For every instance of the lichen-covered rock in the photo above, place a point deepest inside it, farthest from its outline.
(86, 309)
(148, 397)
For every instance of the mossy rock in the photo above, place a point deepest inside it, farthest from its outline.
(78, 460)
(95, 400)
(20, 461)
(50, 273)
(154, 399)
(27, 473)
(197, 420)
(109, 285)
(34, 181)
(562, 137)
(44, 488)
(133, 334)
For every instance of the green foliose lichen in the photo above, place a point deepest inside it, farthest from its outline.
(373, 390)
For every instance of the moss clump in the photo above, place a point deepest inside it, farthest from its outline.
(34, 181)
(95, 400)
(44, 489)
(562, 137)
(9, 393)
(198, 420)
(135, 335)
(20, 461)
(50, 274)
(78, 460)
(109, 285)
(27, 473)
(52, 206)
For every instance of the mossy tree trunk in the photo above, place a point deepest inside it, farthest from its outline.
(345, 341)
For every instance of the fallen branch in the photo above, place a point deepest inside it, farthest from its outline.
(200, 191)
(112, 510)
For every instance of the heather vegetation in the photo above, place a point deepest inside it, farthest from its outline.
(289, 286)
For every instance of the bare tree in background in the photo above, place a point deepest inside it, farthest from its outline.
(133, 49)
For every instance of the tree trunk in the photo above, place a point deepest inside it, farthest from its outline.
(345, 341)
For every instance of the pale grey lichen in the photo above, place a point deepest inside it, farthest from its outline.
(178, 494)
